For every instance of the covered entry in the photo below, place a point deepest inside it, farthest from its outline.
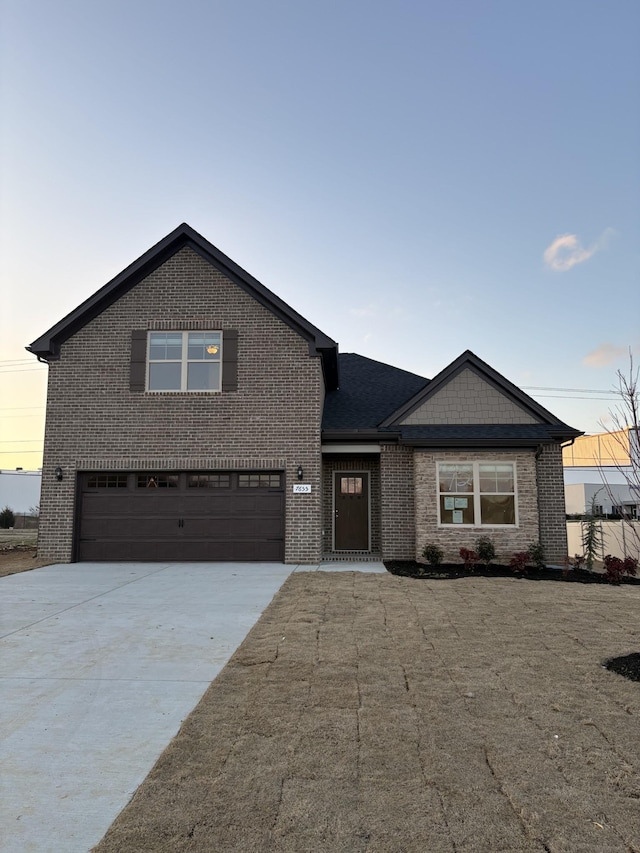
(174, 516)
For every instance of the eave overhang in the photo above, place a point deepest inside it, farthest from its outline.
(47, 347)
(477, 443)
(360, 435)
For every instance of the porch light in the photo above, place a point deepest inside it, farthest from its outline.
(300, 472)
(58, 473)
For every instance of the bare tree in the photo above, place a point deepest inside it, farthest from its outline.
(624, 432)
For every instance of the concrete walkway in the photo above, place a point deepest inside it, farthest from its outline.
(99, 665)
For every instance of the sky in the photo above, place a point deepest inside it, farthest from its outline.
(415, 178)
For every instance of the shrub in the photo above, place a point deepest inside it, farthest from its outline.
(486, 550)
(592, 539)
(519, 560)
(469, 558)
(536, 553)
(433, 554)
(615, 568)
(7, 518)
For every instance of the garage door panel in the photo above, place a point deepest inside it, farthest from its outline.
(182, 523)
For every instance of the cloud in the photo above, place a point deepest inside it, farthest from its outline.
(604, 355)
(566, 250)
(370, 310)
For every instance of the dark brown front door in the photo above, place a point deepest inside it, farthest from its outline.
(351, 511)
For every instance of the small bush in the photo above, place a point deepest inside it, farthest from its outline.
(615, 568)
(433, 554)
(536, 553)
(7, 518)
(485, 549)
(469, 558)
(519, 561)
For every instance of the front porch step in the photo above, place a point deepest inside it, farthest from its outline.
(351, 557)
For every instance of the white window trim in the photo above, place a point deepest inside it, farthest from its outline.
(476, 493)
(185, 362)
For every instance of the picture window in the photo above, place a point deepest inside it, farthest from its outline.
(480, 494)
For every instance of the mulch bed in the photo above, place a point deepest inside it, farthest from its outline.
(627, 665)
(451, 571)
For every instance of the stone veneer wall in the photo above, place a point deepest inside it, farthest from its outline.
(273, 420)
(551, 503)
(343, 462)
(451, 539)
(397, 512)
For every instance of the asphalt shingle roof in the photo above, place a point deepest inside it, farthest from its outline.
(369, 392)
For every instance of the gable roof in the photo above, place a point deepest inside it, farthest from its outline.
(369, 392)
(374, 399)
(546, 427)
(47, 346)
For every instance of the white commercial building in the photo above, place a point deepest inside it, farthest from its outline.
(20, 490)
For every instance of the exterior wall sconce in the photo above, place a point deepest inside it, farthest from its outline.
(300, 472)
(58, 473)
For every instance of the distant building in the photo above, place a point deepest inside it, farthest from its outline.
(602, 450)
(614, 499)
(597, 469)
(20, 490)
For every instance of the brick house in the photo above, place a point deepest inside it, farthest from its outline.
(193, 415)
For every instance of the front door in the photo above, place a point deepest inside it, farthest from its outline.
(351, 511)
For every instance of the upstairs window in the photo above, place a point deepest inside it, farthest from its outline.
(480, 494)
(184, 361)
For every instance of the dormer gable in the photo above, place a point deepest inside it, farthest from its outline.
(469, 391)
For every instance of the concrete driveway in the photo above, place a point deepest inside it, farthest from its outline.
(99, 665)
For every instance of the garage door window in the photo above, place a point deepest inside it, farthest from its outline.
(209, 481)
(157, 481)
(107, 481)
(259, 481)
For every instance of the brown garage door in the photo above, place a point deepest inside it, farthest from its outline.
(207, 516)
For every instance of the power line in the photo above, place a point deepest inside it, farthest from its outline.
(18, 408)
(581, 390)
(22, 369)
(17, 452)
(565, 397)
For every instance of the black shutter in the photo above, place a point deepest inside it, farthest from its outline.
(138, 371)
(229, 360)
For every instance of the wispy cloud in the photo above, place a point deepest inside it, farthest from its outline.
(370, 310)
(604, 355)
(566, 250)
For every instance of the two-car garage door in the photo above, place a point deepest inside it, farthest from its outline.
(207, 516)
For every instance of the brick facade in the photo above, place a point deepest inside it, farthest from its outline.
(397, 512)
(452, 538)
(551, 505)
(272, 421)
